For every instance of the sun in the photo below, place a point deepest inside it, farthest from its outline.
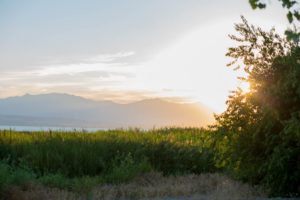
(245, 86)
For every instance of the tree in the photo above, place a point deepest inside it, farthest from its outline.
(258, 136)
(289, 4)
(292, 14)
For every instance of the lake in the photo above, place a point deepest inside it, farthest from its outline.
(44, 128)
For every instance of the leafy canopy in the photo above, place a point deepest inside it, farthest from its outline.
(292, 14)
(258, 136)
(289, 4)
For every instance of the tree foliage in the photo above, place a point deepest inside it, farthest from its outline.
(258, 136)
(292, 14)
(289, 4)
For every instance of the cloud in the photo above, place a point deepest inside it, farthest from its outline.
(103, 65)
(72, 69)
(94, 74)
(119, 95)
(30, 62)
(110, 57)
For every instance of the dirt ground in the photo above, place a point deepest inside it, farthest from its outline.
(152, 186)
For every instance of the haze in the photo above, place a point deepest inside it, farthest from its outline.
(124, 51)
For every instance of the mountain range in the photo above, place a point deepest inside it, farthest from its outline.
(66, 110)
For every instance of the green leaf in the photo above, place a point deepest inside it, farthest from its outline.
(290, 17)
(253, 3)
(297, 15)
(291, 35)
(288, 3)
(261, 5)
(256, 4)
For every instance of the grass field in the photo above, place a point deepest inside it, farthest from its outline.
(112, 164)
(78, 161)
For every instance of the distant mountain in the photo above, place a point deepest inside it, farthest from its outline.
(68, 110)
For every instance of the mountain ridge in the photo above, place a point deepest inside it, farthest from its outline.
(102, 114)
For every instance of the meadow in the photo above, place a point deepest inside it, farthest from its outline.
(137, 163)
(78, 161)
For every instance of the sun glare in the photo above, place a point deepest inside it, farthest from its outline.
(193, 68)
(245, 86)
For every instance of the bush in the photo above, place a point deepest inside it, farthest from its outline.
(13, 174)
(257, 137)
(124, 168)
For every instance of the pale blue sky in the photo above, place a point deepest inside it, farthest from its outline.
(123, 50)
(38, 31)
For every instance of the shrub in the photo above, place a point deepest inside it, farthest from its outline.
(14, 174)
(124, 168)
(257, 137)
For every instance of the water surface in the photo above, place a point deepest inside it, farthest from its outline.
(47, 128)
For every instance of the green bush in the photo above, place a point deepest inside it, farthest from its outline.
(13, 174)
(258, 136)
(124, 168)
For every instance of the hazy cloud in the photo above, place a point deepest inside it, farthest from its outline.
(101, 71)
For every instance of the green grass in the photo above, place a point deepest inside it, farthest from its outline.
(78, 161)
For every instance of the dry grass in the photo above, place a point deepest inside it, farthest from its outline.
(152, 185)
(37, 192)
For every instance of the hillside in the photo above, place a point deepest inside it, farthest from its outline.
(68, 110)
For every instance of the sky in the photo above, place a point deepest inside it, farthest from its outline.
(125, 51)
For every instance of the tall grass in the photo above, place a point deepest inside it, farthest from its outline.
(115, 156)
